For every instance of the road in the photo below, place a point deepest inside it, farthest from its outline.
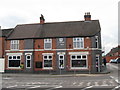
(63, 82)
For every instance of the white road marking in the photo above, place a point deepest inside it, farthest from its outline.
(88, 84)
(116, 87)
(7, 78)
(104, 83)
(74, 83)
(35, 86)
(81, 83)
(12, 86)
(54, 88)
(96, 84)
(87, 88)
(111, 83)
(116, 79)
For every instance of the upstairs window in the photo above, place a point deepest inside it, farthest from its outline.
(14, 44)
(47, 43)
(96, 42)
(78, 43)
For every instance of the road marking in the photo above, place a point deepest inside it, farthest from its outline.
(111, 83)
(7, 78)
(87, 88)
(116, 79)
(74, 83)
(88, 84)
(54, 88)
(104, 83)
(81, 83)
(117, 87)
(35, 86)
(12, 86)
(96, 84)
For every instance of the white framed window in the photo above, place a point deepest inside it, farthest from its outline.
(61, 61)
(96, 42)
(79, 62)
(78, 43)
(28, 61)
(14, 45)
(47, 61)
(47, 44)
(14, 61)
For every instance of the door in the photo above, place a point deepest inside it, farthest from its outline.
(97, 63)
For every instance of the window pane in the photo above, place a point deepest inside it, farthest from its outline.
(14, 63)
(75, 63)
(50, 57)
(10, 57)
(78, 56)
(28, 63)
(28, 57)
(45, 57)
(78, 63)
(83, 63)
(47, 63)
(18, 57)
(84, 56)
(14, 57)
(74, 44)
(73, 57)
(61, 57)
(61, 63)
(78, 45)
(47, 45)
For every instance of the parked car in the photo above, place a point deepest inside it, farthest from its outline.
(118, 60)
(113, 61)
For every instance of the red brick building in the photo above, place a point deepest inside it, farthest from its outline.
(59, 47)
(113, 54)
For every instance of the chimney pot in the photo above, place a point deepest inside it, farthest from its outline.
(42, 20)
(87, 16)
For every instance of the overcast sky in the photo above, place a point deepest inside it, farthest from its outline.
(13, 12)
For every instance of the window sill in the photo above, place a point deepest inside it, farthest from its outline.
(14, 68)
(48, 49)
(14, 49)
(78, 48)
(48, 68)
(79, 68)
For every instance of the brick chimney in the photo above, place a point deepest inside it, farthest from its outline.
(42, 20)
(87, 16)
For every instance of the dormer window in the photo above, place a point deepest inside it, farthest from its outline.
(47, 44)
(14, 45)
(78, 43)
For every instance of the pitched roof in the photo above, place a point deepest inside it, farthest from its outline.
(114, 50)
(5, 32)
(58, 29)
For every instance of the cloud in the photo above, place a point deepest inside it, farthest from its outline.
(11, 21)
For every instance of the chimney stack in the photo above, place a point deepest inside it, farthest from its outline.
(42, 20)
(87, 16)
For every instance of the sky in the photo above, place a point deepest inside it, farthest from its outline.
(14, 12)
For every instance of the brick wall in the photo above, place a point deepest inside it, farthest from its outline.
(2, 47)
